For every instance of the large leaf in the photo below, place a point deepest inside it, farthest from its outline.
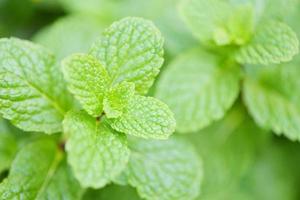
(273, 98)
(88, 80)
(32, 92)
(274, 42)
(96, 153)
(199, 88)
(39, 173)
(131, 50)
(145, 117)
(164, 170)
(8, 149)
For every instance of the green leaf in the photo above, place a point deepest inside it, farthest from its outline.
(88, 80)
(272, 97)
(117, 98)
(218, 21)
(35, 172)
(131, 50)
(145, 117)
(164, 170)
(71, 34)
(96, 153)
(199, 88)
(8, 149)
(273, 43)
(32, 92)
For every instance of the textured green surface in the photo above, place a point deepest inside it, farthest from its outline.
(273, 42)
(164, 170)
(199, 88)
(131, 50)
(117, 99)
(145, 117)
(218, 21)
(272, 97)
(36, 174)
(32, 92)
(71, 34)
(88, 80)
(96, 153)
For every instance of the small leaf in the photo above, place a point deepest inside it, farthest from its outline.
(35, 171)
(199, 88)
(96, 153)
(88, 80)
(131, 50)
(272, 97)
(145, 117)
(32, 91)
(117, 98)
(273, 43)
(164, 170)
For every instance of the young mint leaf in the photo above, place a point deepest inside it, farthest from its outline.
(131, 50)
(117, 98)
(32, 92)
(71, 34)
(218, 21)
(164, 170)
(88, 80)
(8, 149)
(273, 43)
(272, 98)
(96, 153)
(199, 88)
(145, 117)
(33, 173)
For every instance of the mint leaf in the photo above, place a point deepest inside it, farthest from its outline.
(96, 153)
(71, 34)
(273, 43)
(8, 149)
(272, 98)
(217, 21)
(33, 173)
(199, 88)
(117, 98)
(164, 170)
(145, 117)
(32, 92)
(88, 80)
(131, 50)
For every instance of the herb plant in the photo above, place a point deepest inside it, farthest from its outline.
(155, 100)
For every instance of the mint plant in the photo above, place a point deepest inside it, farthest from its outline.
(239, 50)
(109, 83)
